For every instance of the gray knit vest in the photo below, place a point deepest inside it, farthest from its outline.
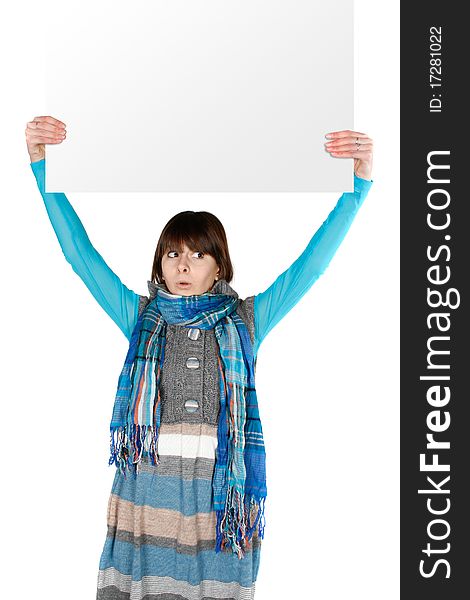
(189, 386)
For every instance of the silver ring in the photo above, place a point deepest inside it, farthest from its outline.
(357, 143)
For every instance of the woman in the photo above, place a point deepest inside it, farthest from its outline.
(186, 510)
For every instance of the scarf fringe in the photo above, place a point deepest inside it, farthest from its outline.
(233, 530)
(127, 451)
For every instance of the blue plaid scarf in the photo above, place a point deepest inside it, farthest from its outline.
(239, 481)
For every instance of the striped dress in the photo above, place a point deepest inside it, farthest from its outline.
(161, 528)
(160, 542)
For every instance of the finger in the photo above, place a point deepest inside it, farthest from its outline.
(56, 134)
(50, 120)
(44, 137)
(43, 140)
(363, 154)
(46, 126)
(345, 133)
(43, 127)
(346, 142)
(39, 139)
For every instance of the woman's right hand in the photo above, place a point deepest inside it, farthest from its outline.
(41, 131)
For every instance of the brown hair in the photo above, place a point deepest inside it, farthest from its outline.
(200, 231)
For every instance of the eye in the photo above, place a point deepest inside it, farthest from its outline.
(172, 254)
(198, 254)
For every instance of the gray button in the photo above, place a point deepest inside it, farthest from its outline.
(192, 362)
(191, 405)
(193, 334)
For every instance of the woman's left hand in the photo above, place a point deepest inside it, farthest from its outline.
(352, 144)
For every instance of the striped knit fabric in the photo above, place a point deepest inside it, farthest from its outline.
(160, 543)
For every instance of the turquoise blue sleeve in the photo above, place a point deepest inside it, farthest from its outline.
(120, 303)
(273, 304)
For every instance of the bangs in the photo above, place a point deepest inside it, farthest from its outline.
(189, 232)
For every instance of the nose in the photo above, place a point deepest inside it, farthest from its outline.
(183, 264)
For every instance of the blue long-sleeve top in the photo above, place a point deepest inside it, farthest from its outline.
(270, 306)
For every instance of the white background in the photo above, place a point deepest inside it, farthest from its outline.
(198, 95)
(330, 416)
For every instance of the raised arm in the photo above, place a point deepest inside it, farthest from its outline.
(112, 295)
(274, 303)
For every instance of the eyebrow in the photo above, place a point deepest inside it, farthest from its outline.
(180, 249)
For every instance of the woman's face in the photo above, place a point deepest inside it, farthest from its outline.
(188, 272)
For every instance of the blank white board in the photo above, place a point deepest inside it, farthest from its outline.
(199, 95)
